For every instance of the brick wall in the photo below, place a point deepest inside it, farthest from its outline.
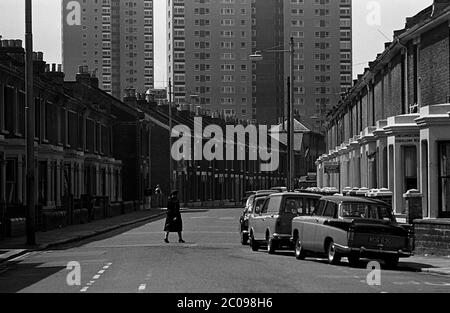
(160, 159)
(434, 66)
(432, 237)
(396, 85)
(379, 108)
(126, 150)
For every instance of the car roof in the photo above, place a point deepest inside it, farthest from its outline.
(264, 192)
(296, 194)
(345, 199)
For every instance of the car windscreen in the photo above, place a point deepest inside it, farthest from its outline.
(249, 201)
(258, 203)
(366, 211)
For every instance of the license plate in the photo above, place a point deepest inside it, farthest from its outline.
(380, 241)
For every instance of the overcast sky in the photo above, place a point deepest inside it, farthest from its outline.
(369, 28)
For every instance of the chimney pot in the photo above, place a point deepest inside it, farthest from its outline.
(18, 43)
(40, 56)
(35, 56)
(53, 67)
(47, 68)
(60, 68)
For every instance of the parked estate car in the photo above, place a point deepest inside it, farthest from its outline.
(253, 202)
(273, 225)
(353, 228)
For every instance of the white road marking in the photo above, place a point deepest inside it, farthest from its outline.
(19, 258)
(96, 277)
(142, 287)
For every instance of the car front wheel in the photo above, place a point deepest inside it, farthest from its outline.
(244, 238)
(254, 244)
(334, 258)
(299, 251)
(271, 246)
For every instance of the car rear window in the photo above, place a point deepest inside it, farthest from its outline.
(368, 211)
(299, 205)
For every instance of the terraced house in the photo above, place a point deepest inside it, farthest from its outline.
(82, 165)
(391, 130)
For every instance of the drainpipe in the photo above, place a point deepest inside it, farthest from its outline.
(406, 89)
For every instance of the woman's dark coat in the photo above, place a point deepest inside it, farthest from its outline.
(174, 223)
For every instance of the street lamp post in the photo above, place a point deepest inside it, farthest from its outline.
(30, 168)
(291, 126)
(171, 182)
(257, 57)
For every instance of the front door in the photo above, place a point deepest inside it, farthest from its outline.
(444, 179)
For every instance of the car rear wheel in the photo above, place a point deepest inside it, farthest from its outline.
(271, 246)
(392, 261)
(300, 253)
(334, 258)
(254, 244)
(244, 238)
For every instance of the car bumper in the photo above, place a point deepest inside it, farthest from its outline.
(283, 241)
(365, 251)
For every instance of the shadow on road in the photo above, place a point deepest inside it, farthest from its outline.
(107, 235)
(17, 276)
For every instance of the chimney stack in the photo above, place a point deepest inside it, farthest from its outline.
(439, 6)
(54, 72)
(130, 97)
(39, 66)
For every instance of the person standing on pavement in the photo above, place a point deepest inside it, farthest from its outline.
(158, 196)
(174, 223)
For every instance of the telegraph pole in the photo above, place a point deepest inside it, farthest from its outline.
(30, 168)
(170, 136)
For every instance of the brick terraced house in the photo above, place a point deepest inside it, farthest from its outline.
(392, 129)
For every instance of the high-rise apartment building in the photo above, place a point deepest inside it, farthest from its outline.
(114, 39)
(210, 43)
(322, 32)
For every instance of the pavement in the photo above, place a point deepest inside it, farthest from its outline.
(11, 248)
(134, 258)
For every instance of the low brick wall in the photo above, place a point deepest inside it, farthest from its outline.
(432, 237)
(80, 216)
(115, 209)
(128, 207)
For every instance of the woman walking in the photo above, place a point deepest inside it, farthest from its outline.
(174, 223)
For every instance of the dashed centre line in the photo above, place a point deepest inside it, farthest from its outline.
(96, 277)
(142, 287)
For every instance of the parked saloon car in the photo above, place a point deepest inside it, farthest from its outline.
(353, 228)
(273, 225)
(253, 202)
